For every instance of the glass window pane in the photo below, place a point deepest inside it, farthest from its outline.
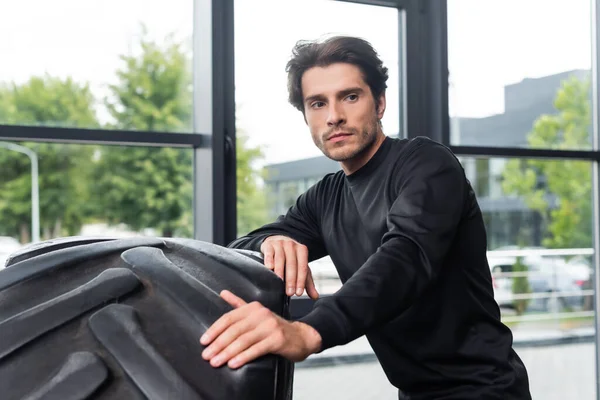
(97, 64)
(527, 86)
(538, 216)
(271, 131)
(275, 147)
(94, 191)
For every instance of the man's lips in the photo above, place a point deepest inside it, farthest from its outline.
(338, 136)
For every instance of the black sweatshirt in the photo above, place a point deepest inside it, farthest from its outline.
(408, 240)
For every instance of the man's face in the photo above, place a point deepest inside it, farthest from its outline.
(341, 111)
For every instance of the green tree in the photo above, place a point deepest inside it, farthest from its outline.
(7, 111)
(63, 169)
(152, 187)
(251, 198)
(51, 101)
(568, 182)
(149, 187)
(154, 89)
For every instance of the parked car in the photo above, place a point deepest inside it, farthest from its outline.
(554, 283)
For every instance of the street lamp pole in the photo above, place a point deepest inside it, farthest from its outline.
(35, 195)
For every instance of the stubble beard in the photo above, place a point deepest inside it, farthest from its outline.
(368, 137)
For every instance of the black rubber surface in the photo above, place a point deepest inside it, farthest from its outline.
(88, 318)
(80, 375)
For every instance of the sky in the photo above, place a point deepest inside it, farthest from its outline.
(492, 43)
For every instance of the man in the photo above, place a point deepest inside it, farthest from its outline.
(404, 230)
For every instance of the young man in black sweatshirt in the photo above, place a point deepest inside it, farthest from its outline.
(402, 225)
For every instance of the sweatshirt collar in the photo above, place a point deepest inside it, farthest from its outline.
(364, 172)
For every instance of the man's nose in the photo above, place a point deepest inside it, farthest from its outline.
(336, 116)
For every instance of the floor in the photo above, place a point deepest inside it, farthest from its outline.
(555, 372)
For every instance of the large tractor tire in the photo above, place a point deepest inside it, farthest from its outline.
(121, 319)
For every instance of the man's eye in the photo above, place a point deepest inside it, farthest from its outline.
(317, 104)
(352, 97)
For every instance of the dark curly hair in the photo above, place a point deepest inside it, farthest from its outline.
(337, 49)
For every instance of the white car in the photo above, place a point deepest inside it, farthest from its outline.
(550, 279)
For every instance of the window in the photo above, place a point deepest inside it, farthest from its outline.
(95, 191)
(289, 193)
(514, 75)
(515, 80)
(97, 64)
(269, 128)
(275, 133)
(538, 217)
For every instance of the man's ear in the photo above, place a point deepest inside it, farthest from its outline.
(381, 106)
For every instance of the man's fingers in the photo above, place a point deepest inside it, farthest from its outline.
(302, 257)
(311, 289)
(289, 260)
(268, 255)
(237, 346)
(251, 353)
(226, 337)
(221, 325)
(232, 299)
(227, 320)
(291, 267)
(279, 259)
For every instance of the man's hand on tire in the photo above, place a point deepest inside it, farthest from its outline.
(289, 260)
(251, 330)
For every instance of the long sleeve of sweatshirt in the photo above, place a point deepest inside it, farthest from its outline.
(299, 223)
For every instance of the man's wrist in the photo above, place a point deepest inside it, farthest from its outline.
(312, 338)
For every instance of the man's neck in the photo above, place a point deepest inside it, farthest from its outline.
(351, 166)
